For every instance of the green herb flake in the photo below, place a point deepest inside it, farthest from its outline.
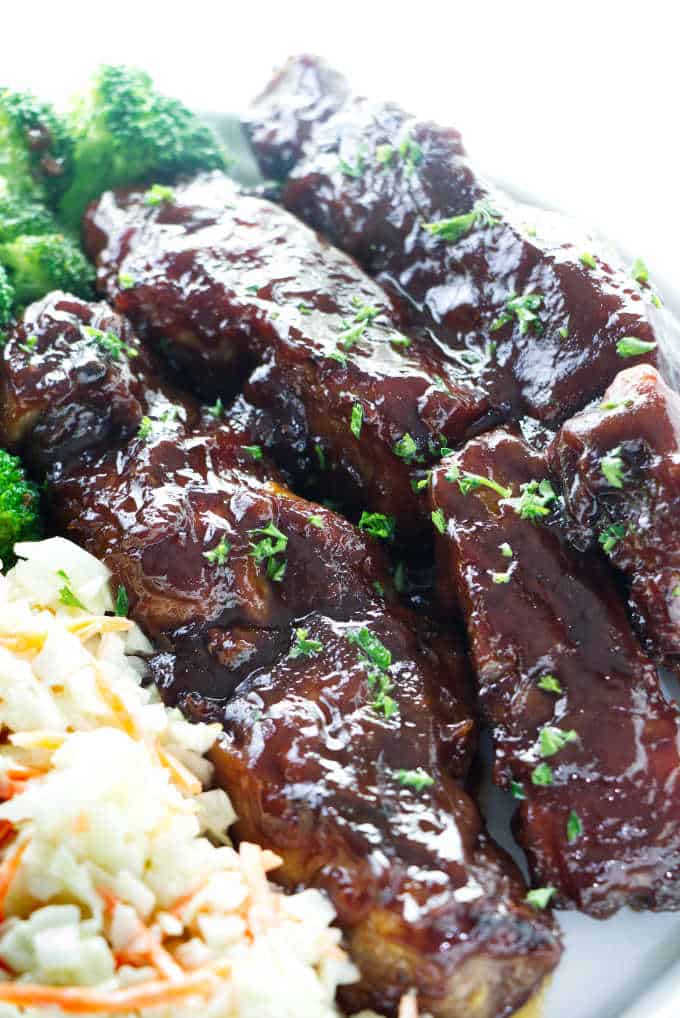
(217, 409)
(563, 331)
(400, 577)
(401, 342)
(350, 336)
(355, 169)
(321, 456)
(304, 309)
(29, 344)
(378, 525)
(524, 309)
(574, 827)
(158, 194)
(218, 555)
(535, 501)
(384, 154)
(122, 602)
(550, 684)
(611, 536)
(145, 428)
(517, 790)
(483, 214)
(356, 420)
(303, 646)
(540, 897)
(255, 451)
(271, 544)
(501, 577)
(316, 521)
(405, 448)
(611, 467)
(675, 592)
(417, 779)
(125, 281)
(588, 260)
(632, 346)
(639, 271)
(551, 740)
(542, 775)
(66, 595)
(468, 482)
(439, 520)
(506, 550)
(110, 343)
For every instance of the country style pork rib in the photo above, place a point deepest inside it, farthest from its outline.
(227, 281)
(582, 734)
(483, 272)
(348, 727)
(619, 467)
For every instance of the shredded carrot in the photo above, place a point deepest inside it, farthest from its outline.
(116, 705)
(8, 870)
(181, 775)
(6, 831)
(86, 1000)
(144, 944)
(179, 905)
(21, 772)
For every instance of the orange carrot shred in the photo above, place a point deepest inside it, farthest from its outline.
(8, 871)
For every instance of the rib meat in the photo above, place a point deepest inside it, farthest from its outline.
(348, 727)
(370, 177)
(582, 733)
(619, 467)
(228, 280)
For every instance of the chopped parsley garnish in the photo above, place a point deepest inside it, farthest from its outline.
(321, 456)
(588, 260)
(253, 450)
(364, 312)
(501, 577)
(675, 592)
(66, 595)
(357, 168)
(439, 520)
(611, 536)
(639, 271)
(411, 152)
(303, 646)
(350, 336)
(613, 404)
(336, 355)
(122, 602)
(632, 346)
(419, 484)
(517, 790)
(535, 500)
(378, 525)
(506, 550)
(110, 343)
(468, 482)
(611, 466)
(384, 154)
(482, 214)
(542, 775)
(304, 309)
(158, 194)
(563, 330)
(405, 448)
(400, 573)
(271, 544)
(125, 280)
(145, 428)
(218, 555)
(550, 684)
(417, 779)
(551, 740)
(29, 344)
(378, 659)
(316, 521)
(217, 409)
(378, 588)
(574, 827)
(356, 420)
(396, 339)
(254, 289)
(540, 897)
(524, 309)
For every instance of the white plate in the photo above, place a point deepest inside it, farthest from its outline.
(623, 967)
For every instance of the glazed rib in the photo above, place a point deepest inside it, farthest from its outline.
(348, 728)
(582, 733)
(228, 281)
(370, 177)
(619, 467)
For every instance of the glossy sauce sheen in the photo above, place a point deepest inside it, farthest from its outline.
(231, 281)
(423, 897)
(638, 423)
(560, 614)
(374, 207)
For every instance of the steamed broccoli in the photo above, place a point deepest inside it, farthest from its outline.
(35, 147)
(6, 301)
(19, 214)
(52, 261)
(126, 132)
(19, 507)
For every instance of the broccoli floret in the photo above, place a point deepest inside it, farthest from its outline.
(6, 302)
(35, 147)
(19, 214)
(19, 507)
(36, 265)
(126, 132)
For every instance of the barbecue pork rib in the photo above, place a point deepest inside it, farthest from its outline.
(227, 281)
(524, 290)
(348, 726)
(582, 734)
(618, 463)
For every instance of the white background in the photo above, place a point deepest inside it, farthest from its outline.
(576, 102)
